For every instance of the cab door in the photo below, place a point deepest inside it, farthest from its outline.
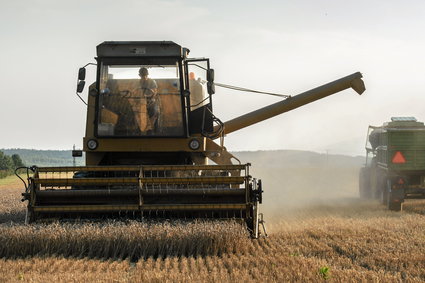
(199, 101)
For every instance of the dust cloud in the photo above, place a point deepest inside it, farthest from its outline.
(299, 180)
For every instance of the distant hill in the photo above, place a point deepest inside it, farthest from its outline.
(297, 158)
(45, 157)
(267, 158)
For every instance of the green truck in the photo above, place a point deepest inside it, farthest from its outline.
(395, 162)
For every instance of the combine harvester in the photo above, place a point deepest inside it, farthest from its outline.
(395, 162)
(148, 140)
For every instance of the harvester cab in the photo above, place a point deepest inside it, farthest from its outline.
(149, 138)
(151, 105)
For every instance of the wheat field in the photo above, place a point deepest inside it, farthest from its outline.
(318, 231)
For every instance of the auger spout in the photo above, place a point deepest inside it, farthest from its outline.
(354, 81)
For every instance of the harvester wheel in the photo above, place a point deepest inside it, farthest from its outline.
(364, 183)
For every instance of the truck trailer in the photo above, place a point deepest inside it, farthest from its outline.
(395, 162)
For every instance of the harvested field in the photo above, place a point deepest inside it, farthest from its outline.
(119, 240)
(319, 230)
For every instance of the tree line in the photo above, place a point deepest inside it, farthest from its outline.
(8, 164)
(42, 158)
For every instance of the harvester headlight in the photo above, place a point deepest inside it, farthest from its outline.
(194, 144)
(92, 144)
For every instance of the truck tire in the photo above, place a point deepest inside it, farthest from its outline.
(391, 204)
(364, 183)
(394, 206)
(384, 191)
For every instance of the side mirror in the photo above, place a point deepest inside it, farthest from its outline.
(210, 75)
(77, 153)
(82, 74)
(210, 87)
(80, 86)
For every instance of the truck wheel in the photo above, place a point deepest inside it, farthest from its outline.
(364, 183)
(384, 191)
(394, 206)
(391, 204)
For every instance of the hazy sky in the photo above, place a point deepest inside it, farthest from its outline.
(279, 46)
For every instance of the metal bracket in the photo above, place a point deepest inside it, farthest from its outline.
(262, 223)
(140, 187)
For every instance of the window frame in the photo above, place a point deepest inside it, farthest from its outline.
(130, 61)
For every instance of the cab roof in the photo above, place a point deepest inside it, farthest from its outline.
(140, 49)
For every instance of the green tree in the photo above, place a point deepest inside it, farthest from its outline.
(6, 162)
(9, 163)
(17, 161)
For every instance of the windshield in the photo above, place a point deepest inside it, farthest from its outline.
(140, 100)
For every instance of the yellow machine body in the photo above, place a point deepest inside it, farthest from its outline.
(149, 141)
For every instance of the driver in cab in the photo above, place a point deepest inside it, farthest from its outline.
(149, 89)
